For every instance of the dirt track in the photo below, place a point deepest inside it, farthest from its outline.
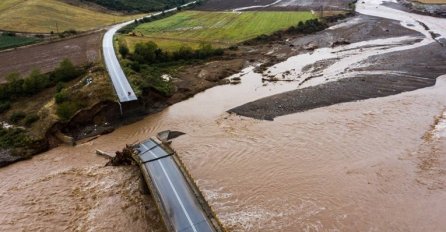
(46, 57)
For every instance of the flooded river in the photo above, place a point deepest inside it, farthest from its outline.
(372, 165)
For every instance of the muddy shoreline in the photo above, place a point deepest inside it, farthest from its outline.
(405, 71)
(345, 90)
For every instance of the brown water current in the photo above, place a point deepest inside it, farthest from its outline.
(371, 165)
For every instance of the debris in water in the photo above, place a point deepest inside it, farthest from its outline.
(123, 158)
(166, 136)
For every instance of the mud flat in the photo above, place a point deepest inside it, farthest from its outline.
(433, 8)
(387, 75)
(397, 56)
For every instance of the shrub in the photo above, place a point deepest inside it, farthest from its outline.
(4, 106)
(145, 52)
(35, 82)
(61, 97)
(30, 119)
(66, 71)
(17, 116)
(67, 109)
(13, 137)
(59, 87)
(123, 49)
(8, 33)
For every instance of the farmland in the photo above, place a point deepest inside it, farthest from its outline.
(51, 15)
(46, 57)
(218, 28)
(8, 41)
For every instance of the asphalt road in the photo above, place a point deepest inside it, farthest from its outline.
(120, 82)
(179, 202)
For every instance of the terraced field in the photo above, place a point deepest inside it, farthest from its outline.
(218, 28)
(51, 15)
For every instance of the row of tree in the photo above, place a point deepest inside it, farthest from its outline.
(307, 27)
(150, 53)
(35, 82)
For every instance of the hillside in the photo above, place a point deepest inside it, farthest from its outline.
(51, 15)
(138, 5)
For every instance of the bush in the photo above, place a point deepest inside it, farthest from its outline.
(65, 72)
(67, 109)
(17, 116)
(12, 34)
(150, 53)
(123, 49)
(30, 119)
(13, 137)
(145, 52)
(67, 33)
(35, 82)
(61, 97)
(59, 87)
(4, 106)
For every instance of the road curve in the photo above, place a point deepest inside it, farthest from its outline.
(120, 82)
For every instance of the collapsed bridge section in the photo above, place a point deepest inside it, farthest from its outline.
(179, 201)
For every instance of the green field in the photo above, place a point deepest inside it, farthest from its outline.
(44, 16)
(221, 29)
(7, 41)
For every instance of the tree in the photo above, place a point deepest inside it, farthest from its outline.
(185, 52)
(66, 71)
(123, 49)
(145, 52)
(67, 109)
(35, 82)
(14, 85)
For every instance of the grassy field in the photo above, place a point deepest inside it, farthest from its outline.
(7, 41)
(218, 28)
(44, 16)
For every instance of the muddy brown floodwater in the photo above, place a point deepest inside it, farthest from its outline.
(370, 165)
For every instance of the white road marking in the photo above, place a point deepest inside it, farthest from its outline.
(173, 188)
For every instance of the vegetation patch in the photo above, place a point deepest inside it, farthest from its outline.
(221, 29)
(149, 66)
(11, 41)
(13, 138)
(32, 106)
